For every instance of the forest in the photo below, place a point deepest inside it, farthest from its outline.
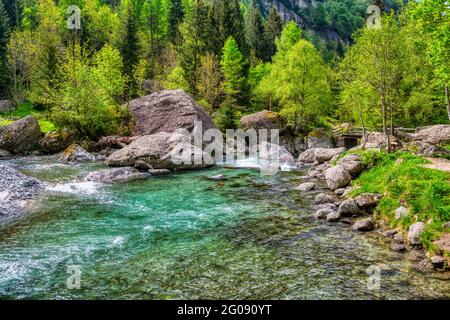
(234, 57)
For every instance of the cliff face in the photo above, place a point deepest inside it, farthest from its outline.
(288, 9)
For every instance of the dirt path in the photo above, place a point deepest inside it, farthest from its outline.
(438, 164)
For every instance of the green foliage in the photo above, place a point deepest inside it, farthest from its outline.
(176, 15)
(235, 74)
(177, 80)
(290, 35)
(4, 37)
(272, 30)
(402, 177)
(254, 29)
(84, 100)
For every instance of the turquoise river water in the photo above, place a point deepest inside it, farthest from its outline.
(186, 237)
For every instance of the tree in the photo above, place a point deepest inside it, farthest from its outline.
(433, 19)
(130, 49)
(290, 35)
(195, 31)
(300, 82)
(4, 37)
(254, 31)
(272, 30)
(85, 96)
(235, 74)
(376, 61)
(209, 85)
(176, 16)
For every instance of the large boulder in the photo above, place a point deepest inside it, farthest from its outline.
(348, 208)
(353, 164)
(319, 138)
(20, 136)
(337, 177)
(379, 140)
(426, 149)
(439, 134)
(167, 111)
(7, 106)
(294, 145)
(323, 155)
(113, 142)
(75, 153)
(308, 156)
(54, 142)
(367, 201)
(160, 151)
(263, 120)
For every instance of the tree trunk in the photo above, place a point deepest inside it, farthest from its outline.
(383, 109)
(447, 99)
(364, 129)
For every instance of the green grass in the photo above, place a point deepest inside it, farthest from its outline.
(24, 110)
(401, 176)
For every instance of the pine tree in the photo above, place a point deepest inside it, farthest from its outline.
(129, 48)
(234, 71)
(195, 31)
(13, 11)
(176, 16)
(4, 36)
(230, 22)
(272, 30)
(255, 32)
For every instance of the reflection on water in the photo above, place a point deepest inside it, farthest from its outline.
(184, 236)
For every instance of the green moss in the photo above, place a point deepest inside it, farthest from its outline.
(402, 177)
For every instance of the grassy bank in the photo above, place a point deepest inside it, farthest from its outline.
(402, 177)
(24, 110)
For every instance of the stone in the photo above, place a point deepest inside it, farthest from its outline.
(21, 136)
(160, 151)
(367, 201)
(348, 208)
(443, 243)
(7, 106)
(159, 172)
(446, 225)
(401, 212)
(414, 233)
(322, 214)
(333, 217)
(329, 206)
(263, 120)
(426, 149)
(396, 247)
(340, 192)
(353, 167)
(219, 177)
(438, 262)
(142, 165)
(364, 225)
(75, 153)
(4, 153)
(379, 140)
(269, 151)
(115, 175)
(438, 134)
(323, 198)
(398, 238)
(337, 177)
(113, 142)
(167, 111)
(390, 233)
(54, 142)
(323, 155)
(295, 145)
(308, 156)
(305, 187)
(319, 138)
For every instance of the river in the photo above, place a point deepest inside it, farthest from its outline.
(187, 237)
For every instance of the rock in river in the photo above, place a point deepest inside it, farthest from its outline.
(20, 136)
(337, 177)
(115, 175)
(364, 225)
(160, 151)
(75, 153)
(305, 187)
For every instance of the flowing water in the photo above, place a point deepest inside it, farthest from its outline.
(187, 237)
